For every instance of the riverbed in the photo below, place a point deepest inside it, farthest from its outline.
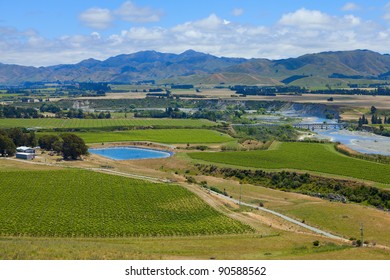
(363, 142)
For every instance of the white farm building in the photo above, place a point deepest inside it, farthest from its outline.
(24, 152)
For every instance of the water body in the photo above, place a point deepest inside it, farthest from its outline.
(130, 153)
(363, 142)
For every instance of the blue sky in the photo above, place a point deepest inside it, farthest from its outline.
(43, 32)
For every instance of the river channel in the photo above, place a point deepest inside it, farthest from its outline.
(360, 141)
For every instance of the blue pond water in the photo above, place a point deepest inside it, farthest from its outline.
(129, 153)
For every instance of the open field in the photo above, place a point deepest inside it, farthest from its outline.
(101, 123)
(362, 101)
(156, 135)
(336, 217)
(303, 156)
(83, 203)
(280, 246)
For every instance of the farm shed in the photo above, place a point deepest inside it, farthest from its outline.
(24, 152)
(27, 156)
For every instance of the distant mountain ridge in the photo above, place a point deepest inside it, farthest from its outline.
(197, 67)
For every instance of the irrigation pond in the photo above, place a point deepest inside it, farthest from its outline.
(130, 153)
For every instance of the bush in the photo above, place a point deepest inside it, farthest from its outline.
(7, 147)
(316, 243)
(191, 180)
(73, 146)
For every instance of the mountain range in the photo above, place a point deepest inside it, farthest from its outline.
(196, 67)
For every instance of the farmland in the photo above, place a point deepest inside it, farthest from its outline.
(50, 123)
(303, 156)
(72, 203)
(341, 218)
(156, 135)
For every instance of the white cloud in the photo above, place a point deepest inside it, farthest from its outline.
(133, 13)
(97, 18)
(306, 18)
(100, 18)
(296, 33)
(386, 16)
(350, 6)
(238, 12)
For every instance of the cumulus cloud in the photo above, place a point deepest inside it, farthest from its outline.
(97, 18)
(306, 18)
(238, 12)
(300, 32)
(128, 11)
(350, 6)
(386, 16)
(101, 18)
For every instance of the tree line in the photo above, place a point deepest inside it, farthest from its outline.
(31, 113)
(69, 145)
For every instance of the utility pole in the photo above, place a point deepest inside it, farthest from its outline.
(240, 194)
(362, 233)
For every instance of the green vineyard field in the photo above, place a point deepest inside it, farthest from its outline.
(303, 156)
(101, 123)
(156, 135)
(75, 203)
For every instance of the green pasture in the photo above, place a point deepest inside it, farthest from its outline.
(76, 203)
(316, 157)
(51, 123)
(169, 136)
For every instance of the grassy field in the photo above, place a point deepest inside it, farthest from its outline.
(338, 218)
(242, 247)
(101, 123)
(82, 203)
(156, 135)
(303, 156)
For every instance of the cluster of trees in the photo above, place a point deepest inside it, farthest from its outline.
(17, 112)
(327, 188)
(28, 113)
(48, 107)
(229, 114)
(89, 89)
(182, 86)
(267, 133)
(169, 112)
(377, 91)
(375, 119)
(80, 114)
(15, 137)
(69, 145)
(266, 90)
(362, 120)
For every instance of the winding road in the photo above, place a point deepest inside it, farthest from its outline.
(316, 230)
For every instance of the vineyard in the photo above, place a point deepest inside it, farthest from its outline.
(72, 203)
(101, 123)
(303, 156)
(156, 135)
